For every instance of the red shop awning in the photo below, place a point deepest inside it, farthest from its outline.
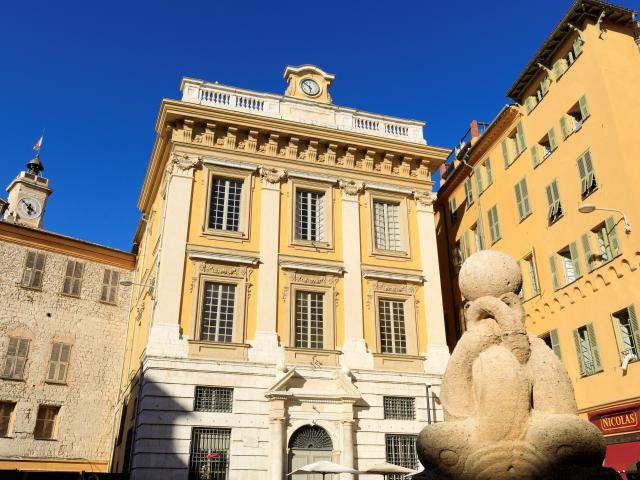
(621, 455)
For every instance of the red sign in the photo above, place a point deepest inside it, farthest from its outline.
(625, 418)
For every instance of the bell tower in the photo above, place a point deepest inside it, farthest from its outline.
(308, 82)
(28, 194)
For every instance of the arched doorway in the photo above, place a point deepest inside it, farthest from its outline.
(309, 444)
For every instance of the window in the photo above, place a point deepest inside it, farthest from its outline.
(309, 216)
(213, 399)
(570, 263)
(393, 338)
(59, 362)
(33, 270)
(478, 235)
(110, 282)
(608, 246)
(46, 422)
(477, 173)
(553, 342)
(513, 145)
(532, 276)
(209, 453)
(532, 101)
(494, 224)
(387, 225)
(468, 191)
(73, 278)
(547, 144)
(401, 450)
(225, 202)
(487, 171)
(627, 320)
(218, 308)
(453, 211)
(309, 327)
(6, 415)
(522, 199)
(563, 64)
(587, 176)
(463, 247)
(579, 113)
(553, 200)
(587, 350)
(399, 408)
(16, 358)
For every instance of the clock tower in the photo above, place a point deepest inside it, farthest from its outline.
(28, 194)
(308, 82)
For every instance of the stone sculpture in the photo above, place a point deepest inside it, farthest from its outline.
(509, 406)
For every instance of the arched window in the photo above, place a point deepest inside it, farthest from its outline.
(311, 437)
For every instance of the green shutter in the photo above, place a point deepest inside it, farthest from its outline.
(554, 273)
(520, 136)
(575, 258)
(552, 139)
(597, 365)
(505, 153)
(525, 196)
(591, 262)
(576, 339)
(610, 223)
(549, 200)
(496, 223)
(480, 235)
(521, 212)
(563, 127)
(544, 86)
(529, 103)
(557, 69)
(582, 171)
(584, 107)
(577, 47)
(487, 167)
(555, 343)
(535, 159)
(633, 319)
(477, 171)
(467, 244)
(490, 220)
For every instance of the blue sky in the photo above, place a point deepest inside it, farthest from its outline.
(93, 74)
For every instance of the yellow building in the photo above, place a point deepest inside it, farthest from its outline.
(527, 184)
(286, 305)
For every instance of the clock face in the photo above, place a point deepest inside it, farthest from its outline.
(310, 87)
(29, 207)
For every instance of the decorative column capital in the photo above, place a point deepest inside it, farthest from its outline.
(272, 175)
(350, 188)
(425, 198)
(182, 162)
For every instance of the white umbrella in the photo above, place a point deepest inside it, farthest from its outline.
(388, 469)
(323, 467)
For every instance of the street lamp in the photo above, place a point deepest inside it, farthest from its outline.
(128, 283)
(588, 208)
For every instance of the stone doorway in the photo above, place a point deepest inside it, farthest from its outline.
(309, 444)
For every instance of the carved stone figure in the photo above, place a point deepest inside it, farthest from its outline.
(509, 406)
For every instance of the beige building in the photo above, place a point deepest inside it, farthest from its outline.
(62, 329)
(552, 181)
(288, 307)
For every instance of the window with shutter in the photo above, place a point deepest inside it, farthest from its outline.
(46, 422)
(555, 280)
(73, 278)
(16, 358)
(564, 129)
(555, 342)
(588, 255)
(505, 152)
(559, 68)
(533, 287)
(587, 350)
(627, 320)
(309, 215)
(494, 224)
(488, 172)
(453, 211)
(33, 270)
(553, 200)
(588, 182)
(468, 191)
(110, 282)
(387, 225)
(224, 204)
(579, 113)
(522, 199)
(478, 235)
(535, 156)
(477, 173)
(610, 224)
(59, 363)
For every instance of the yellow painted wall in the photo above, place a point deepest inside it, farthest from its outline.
(606, 72)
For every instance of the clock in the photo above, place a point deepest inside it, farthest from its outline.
(29, 207)
(310, 87)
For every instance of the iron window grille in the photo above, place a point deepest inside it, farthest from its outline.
(73, 278)
(399, 408)
(224, 208)
(309, 320)
(309, 215)
(209, 455)
(110, 282)
(33, 270)
(387, 226)
(213, 399)
(393, 338)
(217, 312)
(16, 358)
(401, 450)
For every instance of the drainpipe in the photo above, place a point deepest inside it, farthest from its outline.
(428, 404)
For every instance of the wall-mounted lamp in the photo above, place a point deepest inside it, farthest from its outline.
(588, 208)
(128, 283)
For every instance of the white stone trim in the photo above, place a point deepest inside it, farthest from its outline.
(385, 187)
(230, 163)
(221, 257)
(311, 267)
(402, 277)
(312, 176)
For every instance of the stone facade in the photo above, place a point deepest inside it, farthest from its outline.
(94, 329)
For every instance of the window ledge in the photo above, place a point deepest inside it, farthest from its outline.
(555, 220)
(68, 295)
(224, 235)
(112, 304)
(219, 350)
(45, 439)
(526, 216)
(311, 245)
(309, 356)
(587, 375)
(10, 379)
(52, 382)
(33, 289)
(398, 362)
(393, 254)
